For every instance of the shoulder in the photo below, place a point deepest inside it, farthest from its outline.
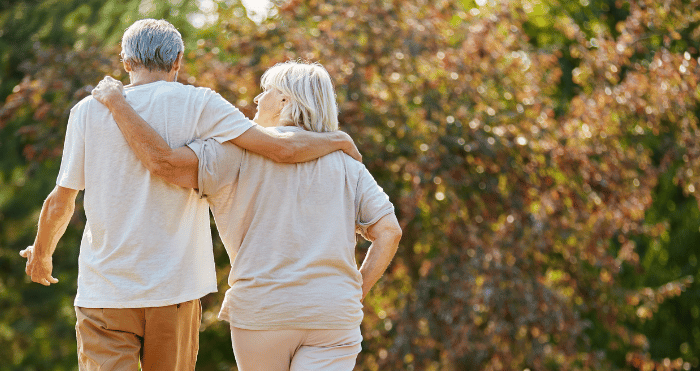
(88, 106)
(176, 89)
(353, 166)
(179, 88)
(359, 174)
(343, 165)
(209, 97)
(84, 105)
(82, 113)
(199, 91)
(193, 89)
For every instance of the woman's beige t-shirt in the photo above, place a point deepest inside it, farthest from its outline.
(290, 232)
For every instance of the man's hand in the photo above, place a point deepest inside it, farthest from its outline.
(350, 148)
(108, 91)
(38, 268)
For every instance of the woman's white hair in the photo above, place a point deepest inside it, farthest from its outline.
(310, 90)
(153, 44)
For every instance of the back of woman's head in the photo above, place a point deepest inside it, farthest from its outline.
(310, 90)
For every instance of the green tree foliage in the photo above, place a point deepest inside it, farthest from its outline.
(542, 155)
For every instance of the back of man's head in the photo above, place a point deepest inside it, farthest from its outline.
(152, 44)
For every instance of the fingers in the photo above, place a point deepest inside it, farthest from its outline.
(107, 90)
(107, 80)
(111, 81)
(349, 146)
(38, 270)
(355, 153)
(26, 253)
(45, 280)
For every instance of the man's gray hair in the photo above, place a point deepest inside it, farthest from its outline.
(153, 44)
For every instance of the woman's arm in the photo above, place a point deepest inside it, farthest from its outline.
(178, 166)
(385, 235)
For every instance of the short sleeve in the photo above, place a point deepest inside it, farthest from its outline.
(219, 164)
(221, 120)
(371, 203)
(72, 172)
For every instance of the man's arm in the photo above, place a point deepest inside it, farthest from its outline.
(293, 147)
(385, 235)
(179, 166)
(55, 214)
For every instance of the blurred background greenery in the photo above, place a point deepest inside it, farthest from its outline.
(542, 155)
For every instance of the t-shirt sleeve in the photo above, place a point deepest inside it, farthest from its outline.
(219, 164)
(371, 203)
(221, 120)
(72, 172)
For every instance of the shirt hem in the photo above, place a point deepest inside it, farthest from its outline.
(68, 184)
(363, 227)
(294, 325)
(238, 133)
(384, 212)
(86, 303)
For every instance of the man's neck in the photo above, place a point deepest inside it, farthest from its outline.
(144, 76)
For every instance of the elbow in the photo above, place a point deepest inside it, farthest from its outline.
(393, 229)
(391, 236)
(387, 230)
(396, 234)
(57, 207)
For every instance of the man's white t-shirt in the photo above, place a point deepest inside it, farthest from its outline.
(146, 243)
(290, 232)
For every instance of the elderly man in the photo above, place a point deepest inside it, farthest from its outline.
(146, 255)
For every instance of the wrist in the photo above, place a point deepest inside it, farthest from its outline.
(113, 102)
(40, 252)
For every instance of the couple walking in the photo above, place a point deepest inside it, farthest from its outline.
(153, 157)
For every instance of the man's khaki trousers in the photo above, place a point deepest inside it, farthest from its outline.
(160, 338)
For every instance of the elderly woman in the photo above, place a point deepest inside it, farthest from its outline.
(289, 229)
